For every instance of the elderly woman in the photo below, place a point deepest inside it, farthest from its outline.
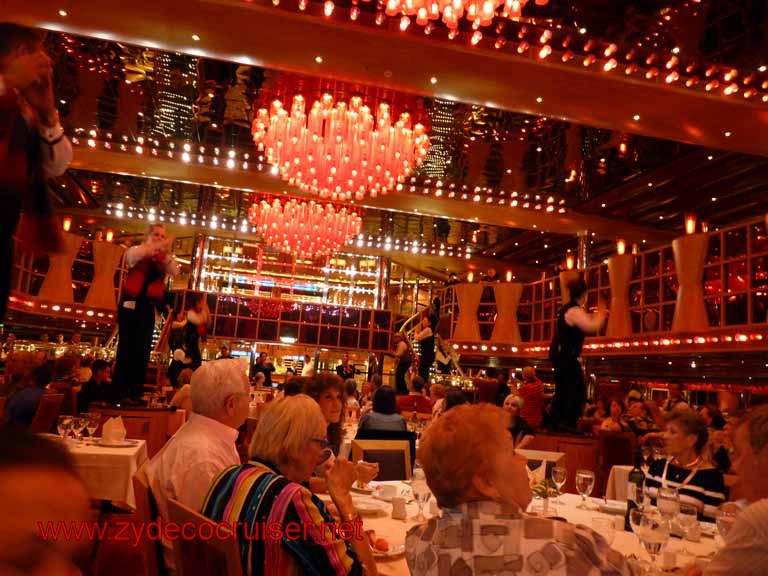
(522, 434)
(288, 444)
(482, 486)
(688, 468)
(384, 415)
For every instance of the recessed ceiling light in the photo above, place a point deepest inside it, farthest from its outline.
(661, 217)
(319, 59)
(762, 68)
(195, 37)
(714, 199)
(433, 80)
(650, 184)
(710, 157)
(727, 134)
(63, 13)
(636, 117)
(539, 99)
(676, 50)
(582, 30)
(538, 149)
(602, 205)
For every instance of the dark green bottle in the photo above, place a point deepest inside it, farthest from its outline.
(635, 483)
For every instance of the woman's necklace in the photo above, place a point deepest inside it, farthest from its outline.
(691, 464)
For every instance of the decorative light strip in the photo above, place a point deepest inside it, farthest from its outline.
(76, 309)
(540, 39)
(412, 246)
(233, 159)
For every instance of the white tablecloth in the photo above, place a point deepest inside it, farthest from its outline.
(625, 542)
(616, 487)
(108, 472)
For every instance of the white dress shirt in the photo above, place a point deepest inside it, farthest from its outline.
(186, 466)
(135, 254)
(587, 323)
(55, 148)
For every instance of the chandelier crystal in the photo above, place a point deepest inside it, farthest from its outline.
(304, 228)
(339, 150)
(479, 12)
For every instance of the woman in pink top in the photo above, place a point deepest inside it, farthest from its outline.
(532, 392)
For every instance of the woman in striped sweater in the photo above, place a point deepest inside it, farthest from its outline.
(265, 497)
(688, 469)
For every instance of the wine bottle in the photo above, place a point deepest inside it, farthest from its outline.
(635, 483)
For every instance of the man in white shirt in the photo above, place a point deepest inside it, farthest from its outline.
(309, 366)
(573, 323)
(143, 293)
(746, 544)
(32, 147)
(186, 466)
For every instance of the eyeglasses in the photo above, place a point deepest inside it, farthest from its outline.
(322, 441)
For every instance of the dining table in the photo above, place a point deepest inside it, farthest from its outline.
(627, 543)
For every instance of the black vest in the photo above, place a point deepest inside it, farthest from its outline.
(567, 340)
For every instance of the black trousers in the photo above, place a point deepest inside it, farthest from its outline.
(570, 392)
(133, 348)
(9, 218)
(401, 386)
(425, 364)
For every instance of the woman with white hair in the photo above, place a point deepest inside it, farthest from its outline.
(482, 487)
(522, 434)
(289, 443)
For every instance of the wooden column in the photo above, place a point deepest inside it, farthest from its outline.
(619, 273)
(57, 284)
(690, 256)
(106, 259)
(467, 328)
(506, 329)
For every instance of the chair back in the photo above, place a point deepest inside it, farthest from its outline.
(613, 449)
(146, 512)
(410, 437)
(392, 456)
(217, 556)
(47, 413)
(487, 390)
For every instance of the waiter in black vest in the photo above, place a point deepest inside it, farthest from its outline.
(143, 293)
(573, 323)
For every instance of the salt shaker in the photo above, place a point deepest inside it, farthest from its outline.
(398, 508)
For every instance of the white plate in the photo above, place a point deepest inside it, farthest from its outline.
(370, 490)
(708, 529)
(394, 551)
(123, 444)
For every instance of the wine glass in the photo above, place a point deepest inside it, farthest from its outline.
(687, 518)
(420, 492)
(725, 520)
(653, 533)
(559, 478)
(668, 502)
(64, 425)
(646, 452)
(78, 425)
(94, 419)
(585, 481)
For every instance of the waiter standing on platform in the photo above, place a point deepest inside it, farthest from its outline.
(573, 324)
(143, 293)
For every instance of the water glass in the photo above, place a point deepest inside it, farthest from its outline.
(687, 518)
(725, 520)
(94, 419)
(604, 527)
(653, 533)
(64, 426)
(421, 493)
(668, 502)
(559, 477)
(585, 481)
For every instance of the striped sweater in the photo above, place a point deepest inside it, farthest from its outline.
(705, 490)
(255, 495)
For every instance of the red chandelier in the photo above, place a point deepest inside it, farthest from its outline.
(479, 12)
(304, 228)
(339, 151)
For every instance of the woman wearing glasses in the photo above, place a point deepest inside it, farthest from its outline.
(288, 445)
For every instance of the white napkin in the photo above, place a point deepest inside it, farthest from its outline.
(113, 431)
(535, 477)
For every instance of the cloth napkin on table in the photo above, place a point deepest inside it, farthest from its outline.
(113, 431)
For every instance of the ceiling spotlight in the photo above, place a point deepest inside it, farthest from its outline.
(727, 134)
(762, 68)
(195, 37)
(539, 99)
(63, 13)
(710, 157)
(636, 117)
(433, 80)
(319, 59)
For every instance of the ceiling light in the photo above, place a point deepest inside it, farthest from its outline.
(714, 199)
(539, 99)
(602, 205)
(676, 50)
(636, 117)
(195, 37)
(433, 80)
(727, 134)
(650, 184)
(319, 59)
(710, 157)
(762, 68)
(582, 30)
(63, 13)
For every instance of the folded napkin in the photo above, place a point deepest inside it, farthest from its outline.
(113, 431)
(537, 476)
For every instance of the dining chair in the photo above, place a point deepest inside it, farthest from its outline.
(47, 412)
(217, 556)
(146, 512)
(392, 456)
(407, 435)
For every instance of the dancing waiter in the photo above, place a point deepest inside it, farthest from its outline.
(143, 293)
(573, 323)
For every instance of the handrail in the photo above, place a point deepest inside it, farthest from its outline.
(410, 330)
